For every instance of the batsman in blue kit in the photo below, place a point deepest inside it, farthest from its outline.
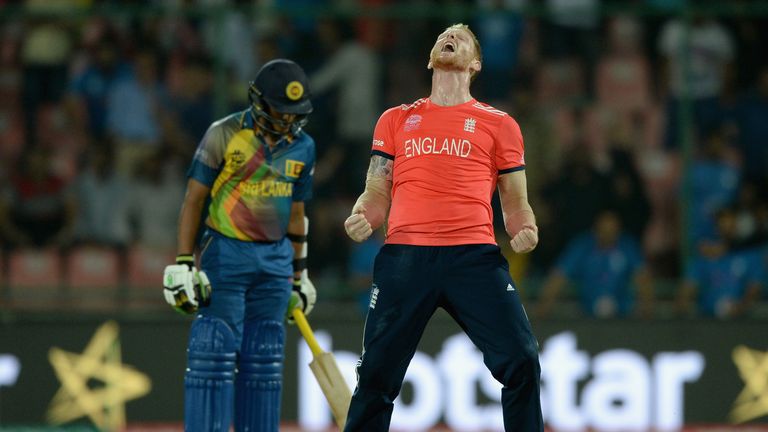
(254, 170)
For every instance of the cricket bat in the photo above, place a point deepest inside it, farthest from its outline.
(326, 372)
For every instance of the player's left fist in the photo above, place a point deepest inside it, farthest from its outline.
(303, 296)
(526, 239)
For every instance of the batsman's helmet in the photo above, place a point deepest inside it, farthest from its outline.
(282, 85)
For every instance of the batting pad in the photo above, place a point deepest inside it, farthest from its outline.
(258, 384)
(209, 379)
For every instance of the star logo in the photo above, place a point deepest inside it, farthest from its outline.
(752, 402)
(100, 363)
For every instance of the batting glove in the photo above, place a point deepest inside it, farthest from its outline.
(184, 287)
(303, 296)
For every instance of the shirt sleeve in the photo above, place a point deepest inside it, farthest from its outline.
(209, 157)
(510, 153)
(383, 136)
(302, 189)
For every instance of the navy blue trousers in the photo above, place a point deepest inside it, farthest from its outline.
(472, 283)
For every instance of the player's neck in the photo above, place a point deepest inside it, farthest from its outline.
(450, 87)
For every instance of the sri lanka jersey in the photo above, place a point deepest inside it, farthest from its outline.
(252, 187)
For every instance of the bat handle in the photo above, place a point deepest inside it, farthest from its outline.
(306, 331)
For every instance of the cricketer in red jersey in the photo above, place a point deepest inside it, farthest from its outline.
(434, 167)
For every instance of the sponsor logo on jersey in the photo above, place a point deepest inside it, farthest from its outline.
(236, 159)
(378, 143)
(293, 168)
(412, 123)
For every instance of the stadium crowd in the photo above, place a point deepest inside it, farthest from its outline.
(645, 139)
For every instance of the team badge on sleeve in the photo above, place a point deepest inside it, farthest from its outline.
(293, 168)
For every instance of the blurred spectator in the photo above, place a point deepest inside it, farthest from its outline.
(569, 203)
(754, 130)
(235, 27)
(696, 60)
(500, 30)
(623, 75)
(727, 283)
(353, 70)
(606, 266)
(188, 110)
(133, 108)
(627, 195)
(751, 228)
(90, 87)
(713, 184)
(155, 199)
(34, 206)
(45, 52)
(573, 32)
(102, 215)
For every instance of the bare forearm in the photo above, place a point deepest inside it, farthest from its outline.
(513, 194)
(517, 215)
(189, 218)
(189, 223)
(374, 205)
(374, 202)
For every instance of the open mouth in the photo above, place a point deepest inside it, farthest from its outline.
(448, 47)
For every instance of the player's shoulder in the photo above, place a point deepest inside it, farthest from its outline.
(411, 106)
(304, 141)
(398, 112)
(492, 115)
(230, 122)
(482, 108)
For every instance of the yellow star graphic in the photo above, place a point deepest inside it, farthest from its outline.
(752, 402)
(100, 362)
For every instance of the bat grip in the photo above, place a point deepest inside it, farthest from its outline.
(306, 331)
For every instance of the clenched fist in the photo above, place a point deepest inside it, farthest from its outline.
(357, 227)
(526, 239)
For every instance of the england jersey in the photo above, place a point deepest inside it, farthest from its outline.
(447, 160)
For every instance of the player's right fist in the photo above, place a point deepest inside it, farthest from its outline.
(357, 227)
(525, 240)
(184, 287)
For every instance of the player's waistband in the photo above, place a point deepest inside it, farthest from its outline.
(217, 234)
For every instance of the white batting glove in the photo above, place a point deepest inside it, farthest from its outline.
(185, 288)
(357, 227)
(526, 239)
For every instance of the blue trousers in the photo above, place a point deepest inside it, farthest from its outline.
(236, 344)
(472, 283)
(251, 281)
